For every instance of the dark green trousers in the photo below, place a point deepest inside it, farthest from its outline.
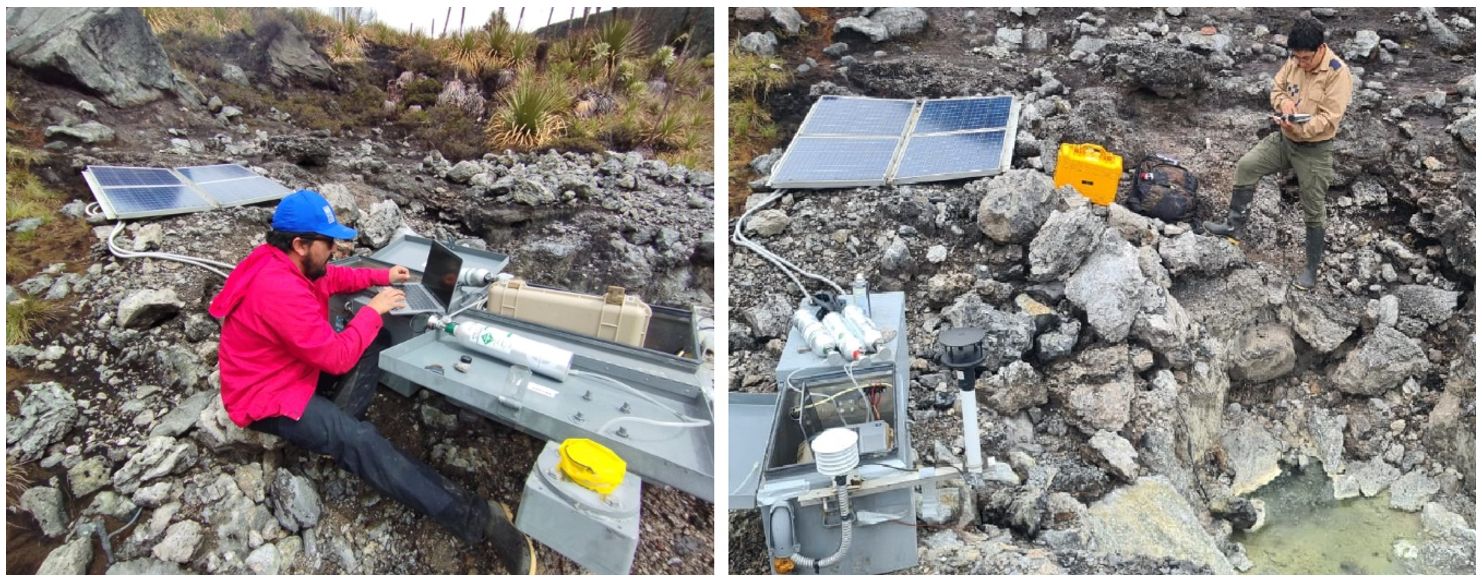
(1312, 162)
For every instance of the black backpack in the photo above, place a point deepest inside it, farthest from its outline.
(1164, 189)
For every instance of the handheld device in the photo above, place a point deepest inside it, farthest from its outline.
(1297, 118)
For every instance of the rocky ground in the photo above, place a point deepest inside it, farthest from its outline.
(1137, 369)
(113, 418)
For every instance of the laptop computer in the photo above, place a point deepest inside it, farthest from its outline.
(435, 292)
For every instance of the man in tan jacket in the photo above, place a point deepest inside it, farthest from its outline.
(1314, 82)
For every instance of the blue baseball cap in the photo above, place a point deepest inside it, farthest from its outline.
(306, 212)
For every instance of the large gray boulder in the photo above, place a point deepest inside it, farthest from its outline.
(1097, 388)
(1014, 205)
(1326, 432)
(180, 542)
(148, 307)
(1411, 491)
(1382, 361)
(1116, 453)
(89, 475)
(900, 22)
(1150, 519)
(863, 26)
(109, 52)
(45, 504)
(381, 223)
(788, 19)
(1008, 334)
(1450, 542)
(1205, 254)
(1063, 243)
(1263, 353)
(1427, 303)
(304, 150)
(71, 559)
(1108, 287)
(1253, 452)
(89, 132)
(47, 413)
(1465, 130)
(292, 59)
(1322, 323)
(184, 416)
(160, 456)
(1369, 478)
(1165, 326)
(1166, 70)
(1013, 388)
(146, 567)
(294, 501)
(758, 43)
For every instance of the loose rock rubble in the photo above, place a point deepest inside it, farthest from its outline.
(1165, 375)
(115, 409)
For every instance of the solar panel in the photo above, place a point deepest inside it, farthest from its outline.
(833, 115)
(208, 173)
(951, 156)
(130, 192)
(243, 191)
(812, 162)
(108, 176)
(860, 141)
(157, 200)
(945, 115)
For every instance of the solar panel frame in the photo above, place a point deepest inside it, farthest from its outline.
(128, 182)
(199, 174)
(120, 176)
(808, 176)
(838, 115)
(948, 151)
(116, 202)
(779, 176)
(810, 132)
(958, 114)
(228, 192)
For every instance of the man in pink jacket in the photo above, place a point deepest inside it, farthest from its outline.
(277, 346)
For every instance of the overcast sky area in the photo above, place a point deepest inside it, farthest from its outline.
(420, 17)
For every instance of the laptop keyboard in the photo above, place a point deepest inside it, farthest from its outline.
(418, 298)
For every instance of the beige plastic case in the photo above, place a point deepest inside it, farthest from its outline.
(614, 316)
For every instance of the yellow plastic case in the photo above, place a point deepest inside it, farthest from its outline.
(1091, 170)
(592, 465)
(614, 316)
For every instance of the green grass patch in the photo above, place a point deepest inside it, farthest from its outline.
(26, 316)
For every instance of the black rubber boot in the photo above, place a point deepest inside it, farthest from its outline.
(1234, 225)
(1308, 278)
(514, 548)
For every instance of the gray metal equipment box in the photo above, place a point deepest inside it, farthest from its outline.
(781, 481)
(599, 532)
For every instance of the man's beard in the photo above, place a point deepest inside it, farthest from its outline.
(318, 271)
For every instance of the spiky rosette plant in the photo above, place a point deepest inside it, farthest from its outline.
(532, 115)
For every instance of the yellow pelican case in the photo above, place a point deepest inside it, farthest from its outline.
(1091, 170)
(614, 316)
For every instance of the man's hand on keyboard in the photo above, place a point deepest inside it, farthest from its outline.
(400, 274)
(388, 300)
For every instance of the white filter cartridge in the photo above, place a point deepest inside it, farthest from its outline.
(511, 348)
(864, 327)
(817, 337)
(849, 346)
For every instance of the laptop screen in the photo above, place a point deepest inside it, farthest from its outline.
(441, 275)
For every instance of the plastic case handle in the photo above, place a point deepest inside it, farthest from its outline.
(1092, 148)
